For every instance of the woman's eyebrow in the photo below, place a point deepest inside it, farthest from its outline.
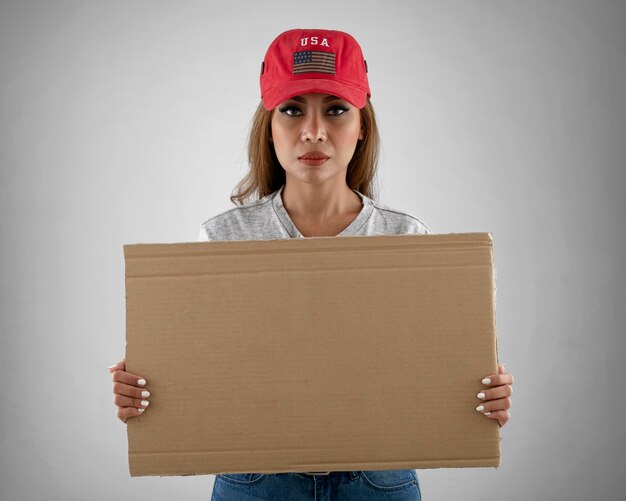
(325, 100)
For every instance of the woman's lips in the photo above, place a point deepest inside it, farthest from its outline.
(314, 158)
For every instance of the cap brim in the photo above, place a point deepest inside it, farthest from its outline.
(276, 95)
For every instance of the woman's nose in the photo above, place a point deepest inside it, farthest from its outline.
(313, 130)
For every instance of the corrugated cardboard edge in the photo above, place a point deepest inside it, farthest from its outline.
(495, 328)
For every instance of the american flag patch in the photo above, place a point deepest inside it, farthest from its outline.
(313, 61)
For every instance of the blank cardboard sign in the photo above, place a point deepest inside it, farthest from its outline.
(312, 355)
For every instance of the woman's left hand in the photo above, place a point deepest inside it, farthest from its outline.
(497, 399)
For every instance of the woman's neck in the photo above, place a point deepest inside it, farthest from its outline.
(318, 203)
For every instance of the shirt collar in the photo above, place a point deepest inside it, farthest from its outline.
(292, 230)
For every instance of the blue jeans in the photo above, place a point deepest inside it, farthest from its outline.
(382, 485)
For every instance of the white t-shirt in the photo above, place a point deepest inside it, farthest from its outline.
(267, 219)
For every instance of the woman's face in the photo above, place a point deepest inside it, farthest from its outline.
(315, 125)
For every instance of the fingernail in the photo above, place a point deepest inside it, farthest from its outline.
(486, 381)
(141, 410)
(111, 366)
(481, 395)
(145, 393)
(141, 382)
(480, 408)
(486, 413)
(145, 403)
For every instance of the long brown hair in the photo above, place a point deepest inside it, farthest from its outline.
(266, 175)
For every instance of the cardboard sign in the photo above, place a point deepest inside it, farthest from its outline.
(313, 354)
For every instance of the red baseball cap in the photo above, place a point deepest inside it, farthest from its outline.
(303, 61)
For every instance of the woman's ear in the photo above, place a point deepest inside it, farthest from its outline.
(362, 133)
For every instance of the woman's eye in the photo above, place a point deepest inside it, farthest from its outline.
(337, 109)
(294, 111)
(291, 111)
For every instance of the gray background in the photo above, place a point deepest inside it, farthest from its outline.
(126, 121)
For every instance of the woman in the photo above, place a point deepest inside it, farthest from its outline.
(313, 151)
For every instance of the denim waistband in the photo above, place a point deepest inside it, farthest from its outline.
(353, 474)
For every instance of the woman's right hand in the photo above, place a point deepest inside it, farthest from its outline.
(129, 392)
